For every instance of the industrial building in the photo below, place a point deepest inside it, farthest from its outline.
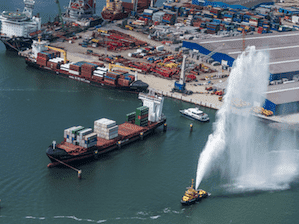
(283, 95)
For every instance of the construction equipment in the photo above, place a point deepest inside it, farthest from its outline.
(59, 14)
(60, 50)
(181, 84)
(102, 31)
(129, 27)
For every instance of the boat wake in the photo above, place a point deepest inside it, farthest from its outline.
(141, 215)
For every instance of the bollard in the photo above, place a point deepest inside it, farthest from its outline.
(191, 127)
(165, 127)
(79, 174)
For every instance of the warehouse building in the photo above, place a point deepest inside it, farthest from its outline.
(284, 64)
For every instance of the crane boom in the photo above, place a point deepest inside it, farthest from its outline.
(60, 50)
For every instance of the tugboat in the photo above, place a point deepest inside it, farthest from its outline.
(191, 195)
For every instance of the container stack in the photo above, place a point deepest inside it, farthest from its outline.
(131, 117)
(106, 128)
(42, 59)
(169, 18)
(81, 134)
(70, 134)
(141, 117)
(75, 69)
(213, 28)
(216, 12)
(158, 16)
(87, 70)
(99, 73)
(148, 14)
(111, 78)
(89, 140)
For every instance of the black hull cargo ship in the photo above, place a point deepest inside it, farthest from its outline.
(84, 143)
(47, 58)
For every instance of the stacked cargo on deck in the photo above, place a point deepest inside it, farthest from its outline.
(87, 70)
(106, 128)
(141, 117)
(81, 136)
(131, 117)
(70, 134)
(111, 78)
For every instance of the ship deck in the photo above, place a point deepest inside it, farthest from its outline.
(125, 130)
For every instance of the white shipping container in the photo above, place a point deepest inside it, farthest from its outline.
(104, 122)
(74, 72)
(102, 69)
(84, 132)
(68, 131)
(90, 136)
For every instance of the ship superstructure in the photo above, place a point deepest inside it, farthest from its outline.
(16, 27)
(82, 12)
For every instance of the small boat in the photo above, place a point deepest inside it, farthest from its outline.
(191, 195)
(195, 113)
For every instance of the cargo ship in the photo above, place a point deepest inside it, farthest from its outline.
(45, 57)
(84, 143)
(191, 195)
(16, 27)
(117, 9)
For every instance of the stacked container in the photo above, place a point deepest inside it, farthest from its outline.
(106, 128)
(158, 16)
(131, 117)
(141, 117)
(82, 133)
(169, 18)
(87, 70)
(70, 134)
(213, 28)
(42, 59)
(89, 140)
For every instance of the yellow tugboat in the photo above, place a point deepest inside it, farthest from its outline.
(192, 195)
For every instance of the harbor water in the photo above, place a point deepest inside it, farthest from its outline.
(140, 183)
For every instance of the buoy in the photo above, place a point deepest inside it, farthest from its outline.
(165, 127)
(191, 127)
(79, 174)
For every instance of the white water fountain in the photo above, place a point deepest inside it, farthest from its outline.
(238, 147)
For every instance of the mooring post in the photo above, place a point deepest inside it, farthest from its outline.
(165, 127)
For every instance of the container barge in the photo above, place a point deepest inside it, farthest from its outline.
(45, 57)
(84, 143)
